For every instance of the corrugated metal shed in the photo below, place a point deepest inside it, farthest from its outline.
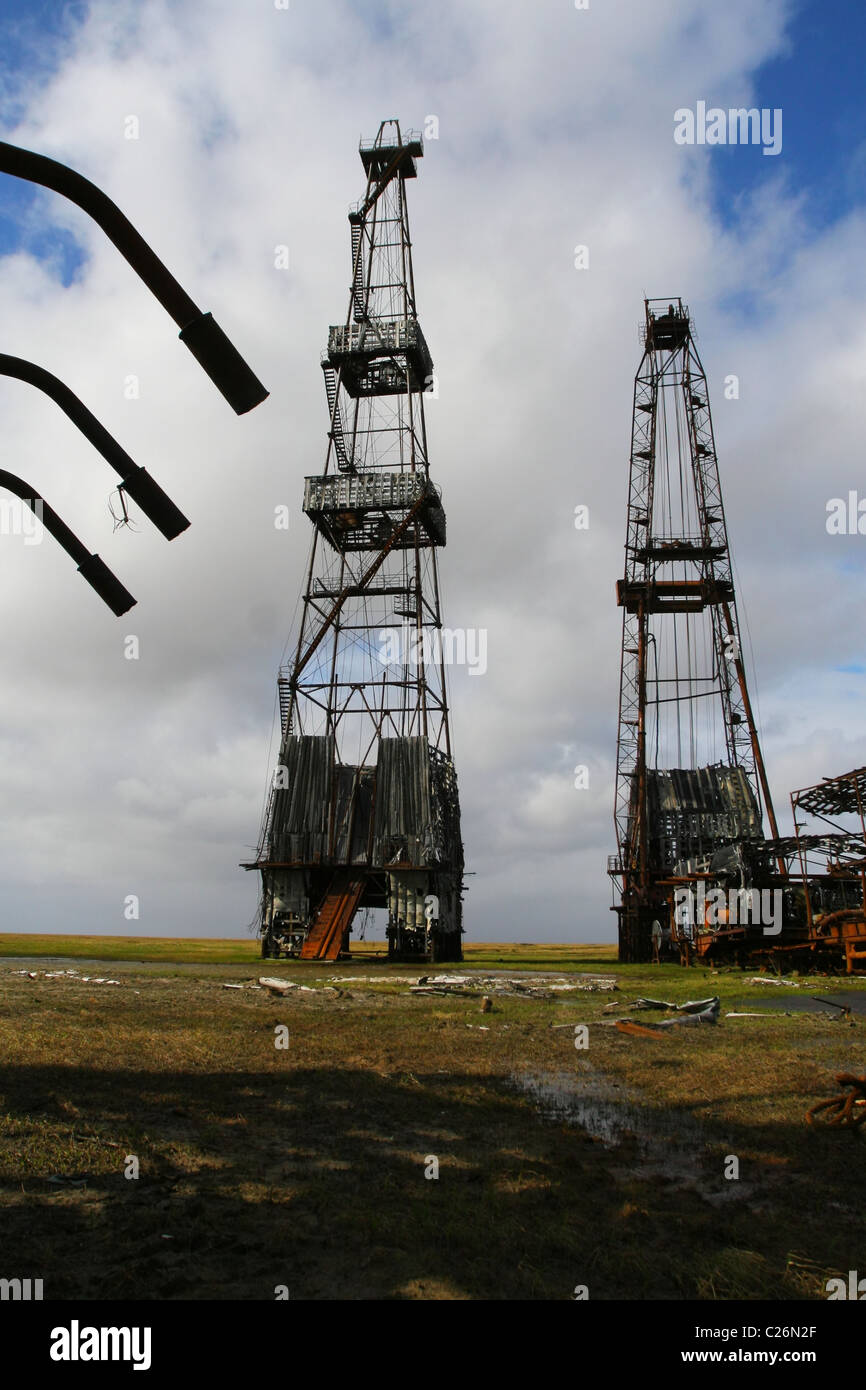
(299, 813)
(403, 827)
(403, 811)
(692, 810)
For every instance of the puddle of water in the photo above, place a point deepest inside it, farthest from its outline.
(608, 1112)
(853, 999)
(655, 1144)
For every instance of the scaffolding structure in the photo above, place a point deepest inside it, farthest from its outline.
(364, 810)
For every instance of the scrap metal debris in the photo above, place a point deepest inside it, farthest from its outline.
(773, 980)
(639, 1030)
(443, 989)
(274, 985)
(65, 975)
(844, 1009)
(846, 1109)
(689, 1015)
(533, 986)
(373, 979)
(765, 1014)
(691, 1006)
(705, 1011)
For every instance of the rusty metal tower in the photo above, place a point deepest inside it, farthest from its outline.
(364, 808)
(690, 779)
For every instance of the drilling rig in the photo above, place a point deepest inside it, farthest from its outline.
(363, 811)
(697, 875)
(691, 790)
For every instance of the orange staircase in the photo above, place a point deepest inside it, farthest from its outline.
(334, 917)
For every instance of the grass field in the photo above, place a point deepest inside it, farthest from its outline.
(305, 1166)
(220, 950)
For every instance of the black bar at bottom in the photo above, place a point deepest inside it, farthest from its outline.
(223, 363)
(107, 585)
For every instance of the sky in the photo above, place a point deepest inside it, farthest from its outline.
(145, 778)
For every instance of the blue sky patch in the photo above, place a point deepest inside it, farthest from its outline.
(32, 45)
(818, 84)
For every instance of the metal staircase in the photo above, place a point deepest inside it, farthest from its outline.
(344, 460)
(328, 933)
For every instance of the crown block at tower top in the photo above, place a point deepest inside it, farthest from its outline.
(376, 158)
(666, 328)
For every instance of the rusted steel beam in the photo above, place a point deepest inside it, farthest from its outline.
(753, 735)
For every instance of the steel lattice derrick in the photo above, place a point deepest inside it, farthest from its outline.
(684, 701)
(368, 813)
(367, 588)
(380, 581)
